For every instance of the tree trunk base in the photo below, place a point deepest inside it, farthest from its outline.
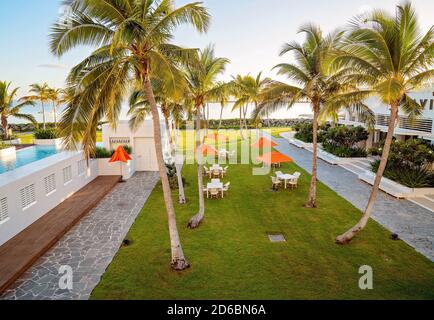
(347, 237)
(311, 205)
(195, 221)
(180, 265)
(182, 201)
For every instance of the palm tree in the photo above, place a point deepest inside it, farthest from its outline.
(8, 109)
(201, 75)
(57, 97)
(41, 93)
(133, 39)
(313, 75)
(169, 105)
(390, 57)
(247, 90)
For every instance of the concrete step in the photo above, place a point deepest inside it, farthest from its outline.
(353, 168)
(424, 202)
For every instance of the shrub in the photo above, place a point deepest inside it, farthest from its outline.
(409, 177)
(173, 178)
(46, 134)
(128, 149)
(375, 152)
(410, 163)
(3, 146)
(346, 136)
(102, 153)
(344, 152)
(304, 131)
(341, 141)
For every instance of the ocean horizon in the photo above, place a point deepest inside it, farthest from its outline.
(296, 111)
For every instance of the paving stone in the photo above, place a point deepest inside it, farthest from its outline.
(88, 248)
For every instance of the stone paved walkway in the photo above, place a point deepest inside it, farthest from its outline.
(89, 247)
(413, 224)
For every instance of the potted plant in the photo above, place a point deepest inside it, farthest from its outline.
(47, 137)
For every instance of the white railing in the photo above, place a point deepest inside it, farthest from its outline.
(29, 192)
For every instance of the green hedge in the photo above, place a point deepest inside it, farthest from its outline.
(46, 134)
(103, 153)
(410, 163)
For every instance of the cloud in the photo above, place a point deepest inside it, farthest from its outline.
(364, 9)
(52, 66)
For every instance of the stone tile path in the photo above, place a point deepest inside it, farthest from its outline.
(413, 224)
(89, 247)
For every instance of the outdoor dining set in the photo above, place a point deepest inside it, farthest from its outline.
(287, 180)
(216, 189)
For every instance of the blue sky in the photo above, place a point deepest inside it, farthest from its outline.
(248, 32)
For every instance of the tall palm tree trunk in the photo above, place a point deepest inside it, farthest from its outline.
(313, 184)
(55, 114)
(179, 261)
(43, 116)
(197, 219)
(350, 234)
(245, 118)
(221, 117)
(181, 191)
(169, 135)
(241, 124)
(5, 127)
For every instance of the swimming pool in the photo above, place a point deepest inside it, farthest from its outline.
(27, 156)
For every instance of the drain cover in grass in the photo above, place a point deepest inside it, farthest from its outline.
(276, 238)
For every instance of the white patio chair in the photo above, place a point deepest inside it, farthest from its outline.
(206, 171)
(294, 182)
(276, 183)
(226, 187)
(214, 193)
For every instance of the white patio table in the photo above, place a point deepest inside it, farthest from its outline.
(285, 177)
(215, 184)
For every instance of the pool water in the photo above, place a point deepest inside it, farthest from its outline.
(27, 156)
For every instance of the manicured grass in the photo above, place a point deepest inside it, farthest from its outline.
(275, 132)
(232, 258)
(27, 138)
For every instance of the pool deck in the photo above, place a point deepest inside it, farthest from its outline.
(18, 254)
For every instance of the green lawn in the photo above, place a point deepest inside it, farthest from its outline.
(232, 258)
(27, 138)
(275, 132)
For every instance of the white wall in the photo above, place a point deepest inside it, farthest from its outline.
(144, 155)
(114, 169)
(33, 175)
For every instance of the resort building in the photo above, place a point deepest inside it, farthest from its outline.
(141, 141)
(406, 128)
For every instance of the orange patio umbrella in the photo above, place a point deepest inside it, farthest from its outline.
(274, 158)
(120, 156)
(207, 150)
(264, 143)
